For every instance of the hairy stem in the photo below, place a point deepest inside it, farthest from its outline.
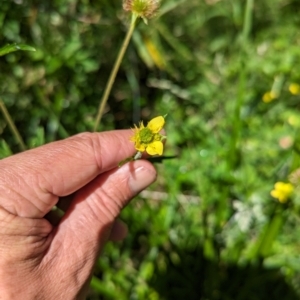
(114, 71)
(12, 126)
(237, 124)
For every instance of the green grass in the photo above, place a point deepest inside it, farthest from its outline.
(208, 228)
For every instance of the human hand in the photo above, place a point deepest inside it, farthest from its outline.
(43, 259)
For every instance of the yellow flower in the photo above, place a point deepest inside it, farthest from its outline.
(294, 88)
(269, 96)
(282, 191)
(148, 138)
(145, 9)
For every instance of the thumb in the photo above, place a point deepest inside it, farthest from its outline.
(87, 223)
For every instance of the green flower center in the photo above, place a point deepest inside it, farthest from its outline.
(146, 135)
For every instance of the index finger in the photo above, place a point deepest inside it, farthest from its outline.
(59, 169)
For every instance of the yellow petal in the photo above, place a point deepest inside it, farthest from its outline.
(154, 148)
(282, 191)
(294, 89)
(133, 138)
(139, 147)
(274, 194)
(156, 124)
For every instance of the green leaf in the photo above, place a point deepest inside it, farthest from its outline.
(15, 47)
(38, 139)
(5, 150)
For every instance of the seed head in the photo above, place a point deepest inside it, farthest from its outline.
(146, 9)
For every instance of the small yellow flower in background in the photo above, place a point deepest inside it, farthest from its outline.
(269, 96)
(145, 9)
(282, 191)
(294, 88)
(148, 138)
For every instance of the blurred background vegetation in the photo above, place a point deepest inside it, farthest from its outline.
(227, 74)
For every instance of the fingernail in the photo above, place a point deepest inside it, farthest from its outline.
(141, 178)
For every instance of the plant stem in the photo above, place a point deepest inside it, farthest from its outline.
(12, 126)
(114, 71)
(248, 19)
(263, 245)
(237, 124)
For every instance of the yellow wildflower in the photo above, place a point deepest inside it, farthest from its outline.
(269, 96)
(282, 191)
(294, 88)
(148, 138)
